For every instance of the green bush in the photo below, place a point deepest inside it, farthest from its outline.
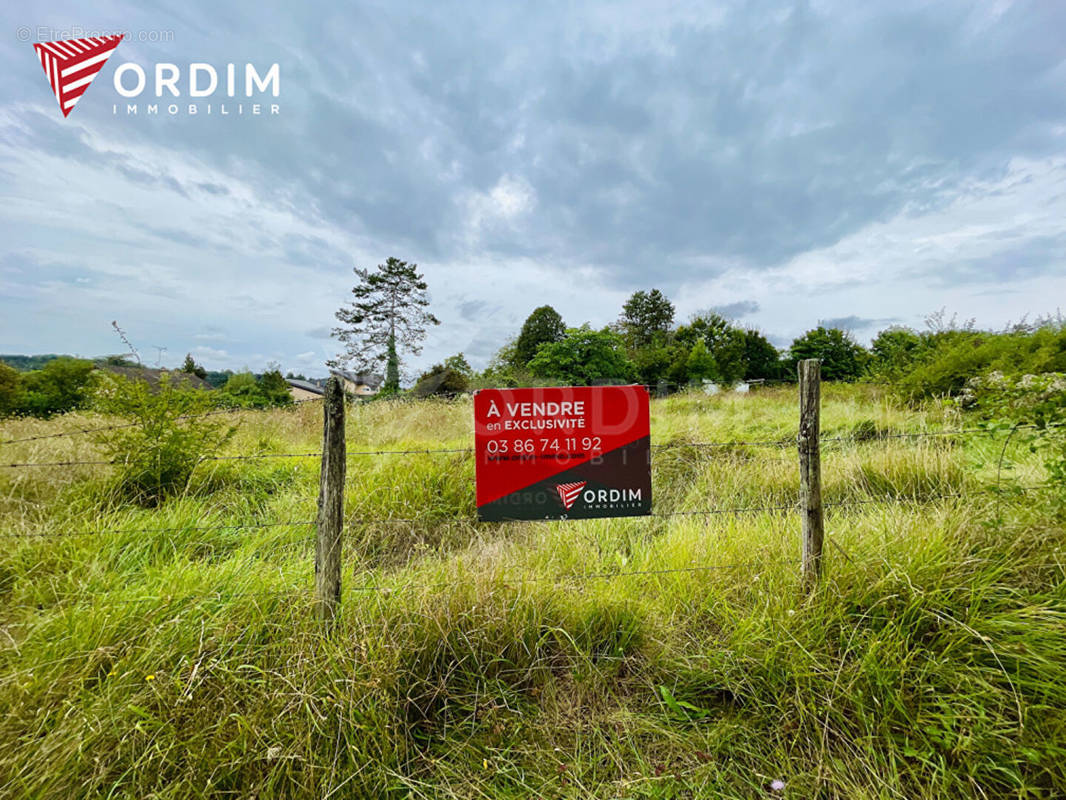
(190, 366)
(441, 380)
(940, 362)
(843, 359)
(894, 351)
(761, 357)
(59, 386)
(947, 367)
(275, 388)
(9, 389)
(1035, 407)
(700, 363)
(245, 390)
(724, 341)
(167, 438)
(949, 360)
(583, 357)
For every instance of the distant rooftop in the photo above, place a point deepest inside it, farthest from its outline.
(363, 378)
(307, 386)
(151, 376)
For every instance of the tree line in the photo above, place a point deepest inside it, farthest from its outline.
(645, 345)
(389, 318)
(63, 383)
(642, 345)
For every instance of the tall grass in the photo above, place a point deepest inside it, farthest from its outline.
(651, 658)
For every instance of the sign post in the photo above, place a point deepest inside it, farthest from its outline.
(571, 452)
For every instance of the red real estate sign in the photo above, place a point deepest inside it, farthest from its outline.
(566, 452)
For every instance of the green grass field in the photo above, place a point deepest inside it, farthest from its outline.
(577, 659)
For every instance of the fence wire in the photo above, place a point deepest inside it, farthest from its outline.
(305, 592)
(363, 521)
(172, 529)
(121, 426)
(508, 581)
(778, 443)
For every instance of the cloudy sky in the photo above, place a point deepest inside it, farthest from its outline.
(858, 164)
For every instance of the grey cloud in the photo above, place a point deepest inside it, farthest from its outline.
(741, 308)
(996, 291)
(147, 178)
(178, 236)
(655, 140)
(639, 147)
(211, 333)
(1018, 260)
(764, 163)
(487, 342)
(855, 323)
(471, 310)
(314, 251)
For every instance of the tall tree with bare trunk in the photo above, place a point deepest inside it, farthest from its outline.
(387, 316)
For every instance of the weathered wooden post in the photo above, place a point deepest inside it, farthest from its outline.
(810, 458)
(330, 522)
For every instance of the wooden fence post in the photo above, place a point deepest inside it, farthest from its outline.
(330, 522)
(810, 458)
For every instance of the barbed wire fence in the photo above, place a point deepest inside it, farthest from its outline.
(354, 523)
(79, 431)
(812, 562)
(697, 445)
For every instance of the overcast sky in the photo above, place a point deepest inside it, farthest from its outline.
(858, 164)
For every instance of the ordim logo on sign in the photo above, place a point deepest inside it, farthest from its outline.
(608, 499)
(71, 65)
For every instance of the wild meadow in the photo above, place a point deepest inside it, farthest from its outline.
(172, 651)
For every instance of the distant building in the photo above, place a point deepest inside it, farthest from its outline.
(358, 384)
(302, 391)
(743, 387)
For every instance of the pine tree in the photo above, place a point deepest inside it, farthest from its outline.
(387, 316)
(646, 316)
(190, 366)
(543, 326)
